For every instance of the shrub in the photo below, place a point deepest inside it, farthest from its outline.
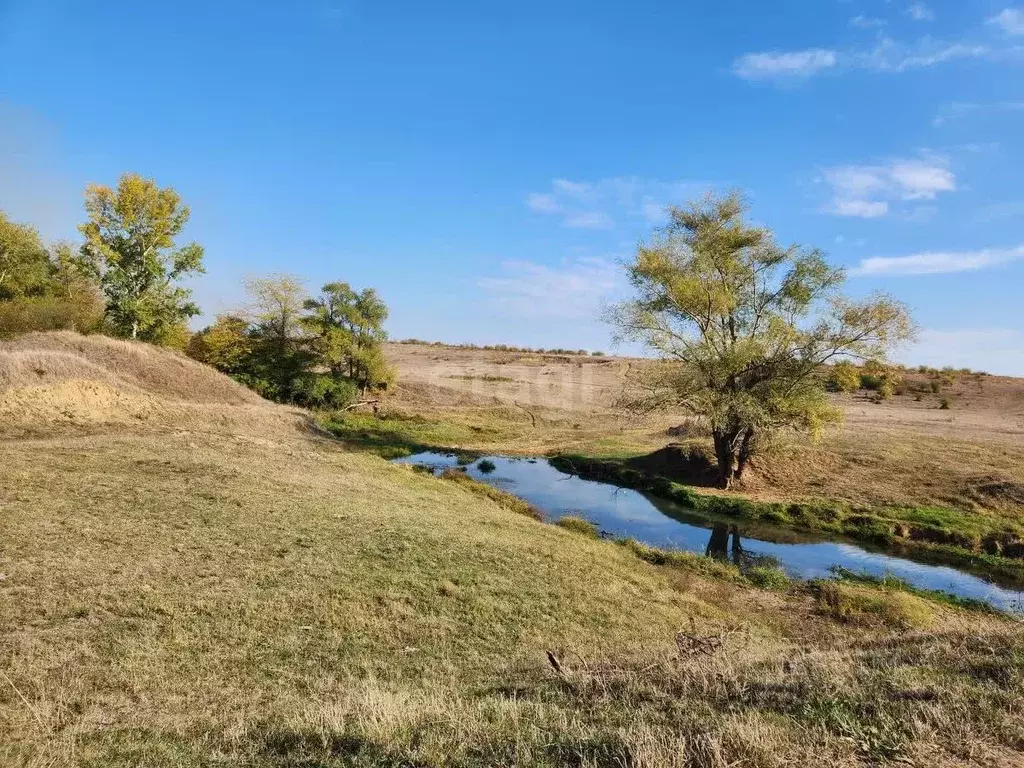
(578, 525)
(321, 390)
(82, 313)
(597, 353)
(844, 377)
(885, 390)
(486, 466)
(945, 404)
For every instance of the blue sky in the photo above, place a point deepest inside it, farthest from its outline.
(487, 166)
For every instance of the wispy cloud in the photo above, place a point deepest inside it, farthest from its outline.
(867, 22)
(784, 65)
(920, 12)
(867, 191)
(574, 289)
(604, 203)
(938, 262)
(886, 55)
(1010, 20)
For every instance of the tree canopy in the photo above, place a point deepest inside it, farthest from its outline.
(130, 247)
(743, 327)
(320, 351)
(43, 288)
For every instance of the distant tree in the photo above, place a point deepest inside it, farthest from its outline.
(844, 377)
(348, 332)
(130, 247)
(24, 261)
(41, 288)
(744, 327)
(280, 347)
(226, 345)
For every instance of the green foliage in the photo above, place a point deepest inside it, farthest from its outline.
(24, 261)
(844, 377)
(744, 326)
(486, 466)
(130, 248)
(321, 390)
(43, 289)
(318, 353)
(226, 345)
(767, 577)
(348, 330)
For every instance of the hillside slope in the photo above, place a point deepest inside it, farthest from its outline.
(67, 381)
(248, 593)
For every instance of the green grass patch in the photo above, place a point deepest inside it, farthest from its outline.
(579, 525)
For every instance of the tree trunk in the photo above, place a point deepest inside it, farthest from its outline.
(135, 329)
(725, 455)
(745, 450)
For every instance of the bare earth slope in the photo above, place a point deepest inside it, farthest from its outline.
(66, 380)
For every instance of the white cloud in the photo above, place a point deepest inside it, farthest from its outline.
(938, 262)
(572, 290)
(920, 12)
(866, 191)
(866, 22)
(1011, 20)
(589, 220)
(604, 203)
(542, 203)
(864, 209)
(887, 55)
(995, 350)
(784, 65)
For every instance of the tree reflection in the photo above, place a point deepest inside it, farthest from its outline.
(720, 549)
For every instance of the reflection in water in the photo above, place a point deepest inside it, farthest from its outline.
(718, 544)
(662, 523)
(718, 547)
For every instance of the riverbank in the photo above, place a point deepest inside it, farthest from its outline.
(953, 537)
(982, 542)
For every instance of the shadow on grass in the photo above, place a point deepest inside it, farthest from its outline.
(395, 437)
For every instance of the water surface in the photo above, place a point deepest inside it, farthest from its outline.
(662, 523)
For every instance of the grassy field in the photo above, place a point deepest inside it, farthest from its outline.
(231, 587)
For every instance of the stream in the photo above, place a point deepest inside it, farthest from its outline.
(662, 523)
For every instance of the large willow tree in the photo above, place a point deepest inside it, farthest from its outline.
(743, 328)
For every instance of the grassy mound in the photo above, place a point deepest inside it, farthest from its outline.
(66, 379)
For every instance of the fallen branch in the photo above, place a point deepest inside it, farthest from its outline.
(361, 403)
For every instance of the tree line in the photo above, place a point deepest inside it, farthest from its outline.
(124, 280)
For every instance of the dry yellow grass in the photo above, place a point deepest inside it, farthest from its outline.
(66, 380)
(253, 594)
